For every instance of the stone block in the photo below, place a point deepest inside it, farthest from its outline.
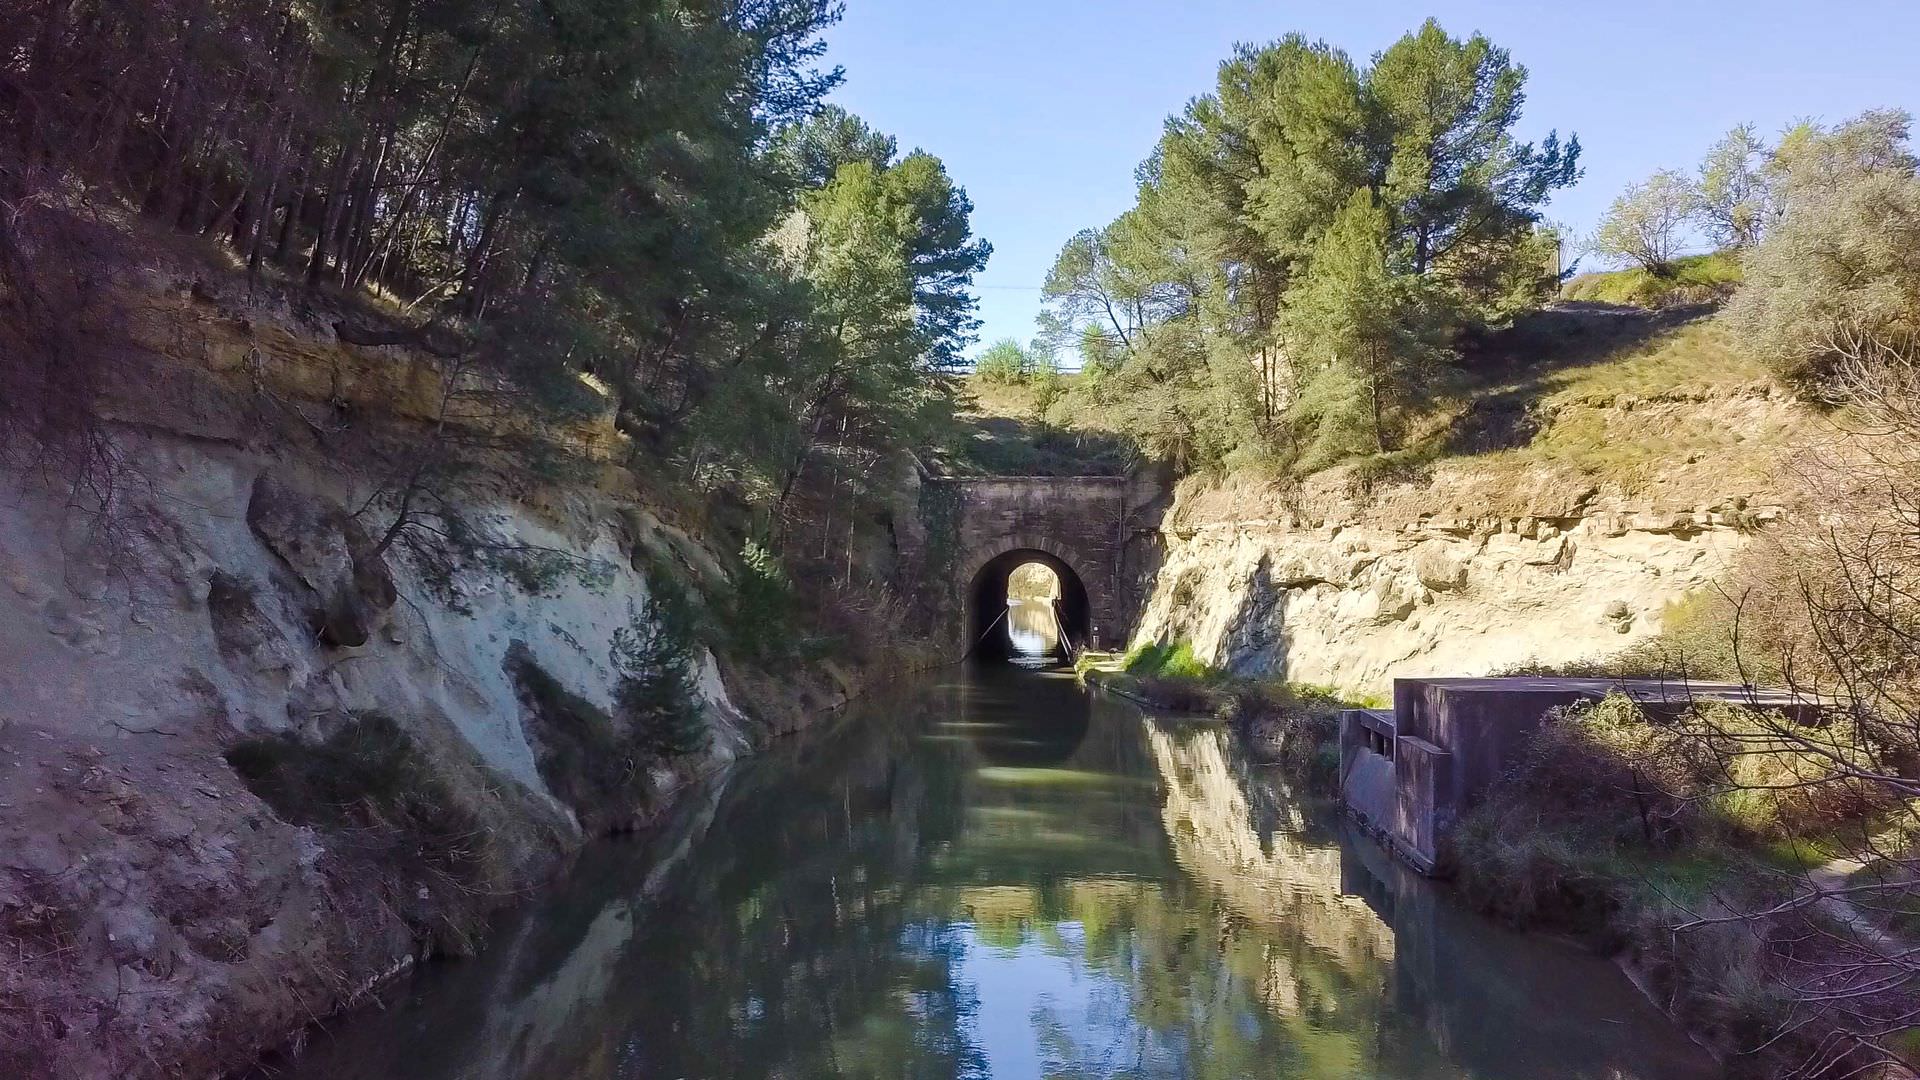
(1442, 566)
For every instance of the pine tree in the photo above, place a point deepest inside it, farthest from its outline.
(1364, 335)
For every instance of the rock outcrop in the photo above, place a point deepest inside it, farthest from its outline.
(226, 640)
(1350, 600)
(329, 553)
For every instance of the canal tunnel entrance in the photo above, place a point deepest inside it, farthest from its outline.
(1027, 605)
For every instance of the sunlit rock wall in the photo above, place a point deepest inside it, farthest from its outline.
(1354, 603)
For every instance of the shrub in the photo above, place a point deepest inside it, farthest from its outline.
(760, 617)
(1837, 279)
(1178, 693)
(586, 760)
(1610, 781)
(1663, 838)
(1006, 361)
(1718, 978)
(1779, 780)
(1291, 725)
(595, 761)
(379, 798)
(41, 988)
(658, 696)
(1692, 279)
(1595, 781)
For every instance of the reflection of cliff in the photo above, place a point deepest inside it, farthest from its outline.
(995, 892)
(1319, 940)
(1394, 952)
(764, 955)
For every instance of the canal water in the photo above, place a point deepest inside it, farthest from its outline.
(997, 874)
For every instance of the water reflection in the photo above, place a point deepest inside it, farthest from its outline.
(1000, 876)
(1033, 624)
(1033, 630)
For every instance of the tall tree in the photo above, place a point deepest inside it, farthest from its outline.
(1460, 188)
(875, 315)
(1086, 289)
(813, 151)
(1735, 200)
(1646, 225)
(1364, 332)
(1195, 299)
(1833, 289)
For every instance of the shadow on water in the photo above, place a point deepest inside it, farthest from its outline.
(997, 874)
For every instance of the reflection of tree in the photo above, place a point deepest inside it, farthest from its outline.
(1176, 995)
(794, 950)
(786, 947)
(843, 898)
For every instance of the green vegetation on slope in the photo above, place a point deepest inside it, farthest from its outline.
(1174, 660)
(568, 211)
(1709, 848)
(1019, 427)
(1621, 396)
(1690, 279)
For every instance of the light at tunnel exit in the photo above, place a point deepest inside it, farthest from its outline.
(1033, 628)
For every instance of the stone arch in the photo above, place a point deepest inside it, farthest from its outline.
(985, 593)
(1086, 524)
(1079, 562)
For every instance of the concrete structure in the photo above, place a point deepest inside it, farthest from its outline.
(1408, 774)
(1097, 533)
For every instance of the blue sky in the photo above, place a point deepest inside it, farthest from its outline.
(1042, 108)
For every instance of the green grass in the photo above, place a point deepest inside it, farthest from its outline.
(1633, 399)
(1174, 660)
(1797, 854)
(1306, 691)
(1693, 356)
(1693, 279)
(1010, 429)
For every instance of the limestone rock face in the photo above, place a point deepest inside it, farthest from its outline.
(205, 922)
(1355, 604)
(331, 555)
(1442, 565)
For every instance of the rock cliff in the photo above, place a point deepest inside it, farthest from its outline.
(1353, 593)
(252, 762)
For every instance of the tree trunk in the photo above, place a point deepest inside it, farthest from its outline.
(296, 205)
(472, 275)
(1374, 391)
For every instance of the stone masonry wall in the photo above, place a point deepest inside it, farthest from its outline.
(1102, 527)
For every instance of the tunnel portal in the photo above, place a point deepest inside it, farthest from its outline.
(988, 609)
(1099, 534)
